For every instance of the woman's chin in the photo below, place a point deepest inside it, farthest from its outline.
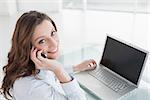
(53, 56)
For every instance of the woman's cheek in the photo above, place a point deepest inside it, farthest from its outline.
(42, 47)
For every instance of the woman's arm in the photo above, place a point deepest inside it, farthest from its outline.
(69, 85)
(85, 65)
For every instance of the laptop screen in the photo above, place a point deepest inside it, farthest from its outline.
(123, 59)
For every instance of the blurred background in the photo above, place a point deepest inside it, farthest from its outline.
(82, 22)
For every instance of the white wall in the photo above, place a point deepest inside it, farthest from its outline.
(8, 7)
(40, 5)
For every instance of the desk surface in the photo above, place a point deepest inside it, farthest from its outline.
(142, 93)
(75, 57)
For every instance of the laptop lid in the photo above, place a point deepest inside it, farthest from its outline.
(123, 59)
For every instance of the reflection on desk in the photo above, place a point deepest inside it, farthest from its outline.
(141, 93)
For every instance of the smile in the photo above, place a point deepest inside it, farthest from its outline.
(54, 51)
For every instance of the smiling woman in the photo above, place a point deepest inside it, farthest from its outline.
(40, 78)
(45, 38)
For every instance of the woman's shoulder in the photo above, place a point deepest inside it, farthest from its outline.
(26, 83)
(24, 80)
(31, 82)
(26, 86)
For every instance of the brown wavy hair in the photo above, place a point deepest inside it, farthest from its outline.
(19, 62)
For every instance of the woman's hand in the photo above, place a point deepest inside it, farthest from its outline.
(85, 65)
(49, 64)
(44, 63)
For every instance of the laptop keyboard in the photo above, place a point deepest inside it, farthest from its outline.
(108, 79)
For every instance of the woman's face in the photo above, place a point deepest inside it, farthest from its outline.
(45, 38)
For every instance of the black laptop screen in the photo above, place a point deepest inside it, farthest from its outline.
(123, 59)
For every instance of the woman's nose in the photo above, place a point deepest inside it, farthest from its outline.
(52, 44)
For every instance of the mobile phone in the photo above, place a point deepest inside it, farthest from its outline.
(43, 55)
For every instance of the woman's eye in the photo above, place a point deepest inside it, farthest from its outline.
(53, 33)
(41, 41)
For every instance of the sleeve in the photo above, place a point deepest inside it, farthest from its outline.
(73, 91)
(44, 92)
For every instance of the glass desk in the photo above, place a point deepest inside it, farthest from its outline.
(90, 52)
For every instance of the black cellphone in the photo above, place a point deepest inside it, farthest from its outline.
(43, 55)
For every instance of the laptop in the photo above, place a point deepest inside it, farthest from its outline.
(118, 72)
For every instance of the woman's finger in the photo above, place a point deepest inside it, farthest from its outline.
(33, 53)
(39, 56)
(34, 58)
(93, 62)
(32, 48)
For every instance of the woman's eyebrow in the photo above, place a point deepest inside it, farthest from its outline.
(53, 29)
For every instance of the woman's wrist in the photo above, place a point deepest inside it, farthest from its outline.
(75, 68)
(63, 76)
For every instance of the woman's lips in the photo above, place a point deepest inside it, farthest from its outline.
(53, 51)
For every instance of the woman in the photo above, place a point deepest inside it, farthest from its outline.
(33, 72)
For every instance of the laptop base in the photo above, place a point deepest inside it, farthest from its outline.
(99, 89)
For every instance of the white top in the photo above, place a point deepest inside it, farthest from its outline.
(46, 88)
